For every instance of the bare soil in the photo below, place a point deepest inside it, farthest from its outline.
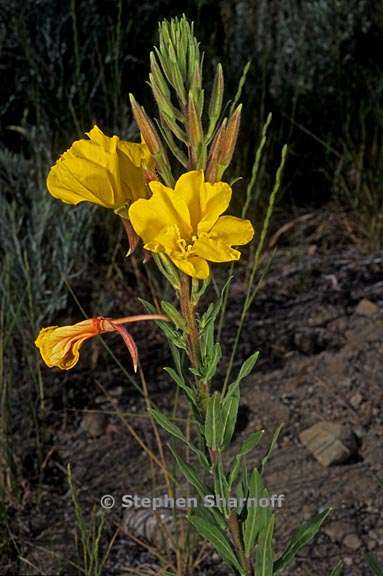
(320, 360)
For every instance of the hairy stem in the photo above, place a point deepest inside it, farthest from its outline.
(236, 536)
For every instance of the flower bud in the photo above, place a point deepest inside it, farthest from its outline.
(231, 136)
(194, 126)
(146, 126)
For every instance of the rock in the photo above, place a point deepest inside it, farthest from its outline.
(328, 442)
(352, 541)
(367, 308)
(356, 400)
(337, 530)
(94, 424)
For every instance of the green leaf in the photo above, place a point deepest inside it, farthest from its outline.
(247, 366)
(300, 538)
(230, 407)
(182, 384)
(251, 442)
(264, 551)
(255, 515)
(168, 425)
(274, 440)
(213, 422)
(211, 362)
(173, 314)
(218, 539)
(246, 447)
(338, 570)
(175, 431)
(235, 466)
(175, 337)
(191, 475)
(376, 568)
(221, 486)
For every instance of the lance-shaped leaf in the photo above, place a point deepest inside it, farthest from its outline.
(264, 551)
(300, 538)
(257, 516)
(218, 539)
(168, 425)
(248, 366)
(176, 432)
(182, 384)
(230, 407)
(173, 314)
(213, 422)
(273, 443)
(251, 442)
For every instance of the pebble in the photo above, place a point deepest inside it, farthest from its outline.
(94, 424)
(367, 308)
(337, 530)
(352, 541)
(356, 400)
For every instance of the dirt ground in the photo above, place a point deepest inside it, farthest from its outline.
(321, 360)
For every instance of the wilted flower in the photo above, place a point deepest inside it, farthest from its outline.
(60, 345)
(186, 223)
(106, 171)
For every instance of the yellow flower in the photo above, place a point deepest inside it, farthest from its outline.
(105, 171)
(186, 223)
(60, 345)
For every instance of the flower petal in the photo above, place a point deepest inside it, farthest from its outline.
(232, 230)
(214, 249)
(215, 199)
(167, 241)
(164, 208)
(205, 201)
(193, 266)
(105, 171)
(189, 187)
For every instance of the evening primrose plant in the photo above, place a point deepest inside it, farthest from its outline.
(171, 194)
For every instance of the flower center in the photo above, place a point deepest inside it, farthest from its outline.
(186, 246)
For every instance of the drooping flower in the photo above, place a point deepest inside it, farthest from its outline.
(60, 345)
(106, 171)
(186, 223)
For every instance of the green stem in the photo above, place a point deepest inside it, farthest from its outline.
(188, 313)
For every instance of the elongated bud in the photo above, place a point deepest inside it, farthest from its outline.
(146, 126)
(158, 76)
(215, 105)
(231, 136)
(215, 153)
(163, 102)
(176, 76)
(194, 126)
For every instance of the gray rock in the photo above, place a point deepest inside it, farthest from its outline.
(328, 442)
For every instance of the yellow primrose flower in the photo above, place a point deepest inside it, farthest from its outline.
(60, 345)
(186, 223)
(105, 171)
